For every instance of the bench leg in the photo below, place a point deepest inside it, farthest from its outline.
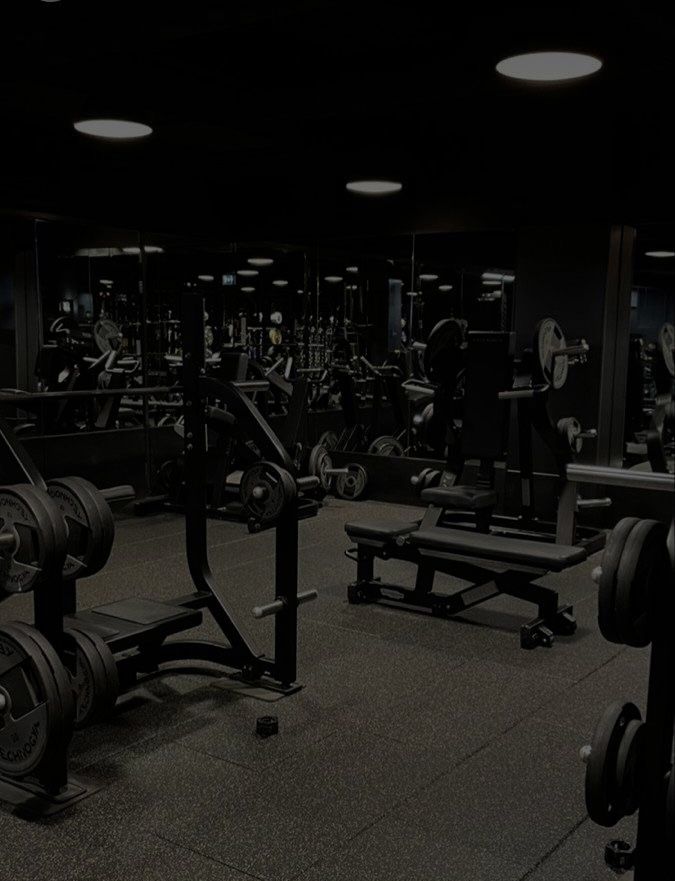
(552, 618)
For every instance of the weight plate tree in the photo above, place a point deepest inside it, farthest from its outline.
(91, 529)
(36, 702)
(548, 339)
(612, 771)
(32, 537)
(94, 675)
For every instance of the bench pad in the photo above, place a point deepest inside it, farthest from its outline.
(379, 530)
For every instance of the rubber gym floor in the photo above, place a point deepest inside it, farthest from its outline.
(419, 749)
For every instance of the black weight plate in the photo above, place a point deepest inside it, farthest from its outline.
(39, 533)
(569, 430)
(548, 338)
(94, 674)
(604, 800)
(278, 490)
(607, 585)
(352, 486)
(329, 440)
(442, 349)
(643, 569)
(628, 765)
(91, 529)
(386, 446)
(107, 335)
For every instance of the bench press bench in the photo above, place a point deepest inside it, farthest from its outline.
(493, 564)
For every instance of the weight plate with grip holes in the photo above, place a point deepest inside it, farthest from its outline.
(107, 335)
(643, 571)
(352, 486)
(569, 430)
(386, 446)
(31, 518)
(666, 345)
(548, 338)
(319, 464)
(612, 771)
(609, 566)
(91, 529)
(94, 675)
(265, 491)
(36, 720)
(329, 440)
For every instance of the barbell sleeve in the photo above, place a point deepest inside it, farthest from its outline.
(277, 606)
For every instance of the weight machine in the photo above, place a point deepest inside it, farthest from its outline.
(68, 668)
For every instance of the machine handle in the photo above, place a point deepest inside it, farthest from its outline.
(278, 606)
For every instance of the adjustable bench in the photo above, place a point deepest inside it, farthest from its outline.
(493, 564)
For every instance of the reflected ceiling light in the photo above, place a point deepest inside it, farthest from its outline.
(333, 279)
(374, 187)
(660, 254)
(149, 249)
(205, 277)
(248, 272)
(352, 269)
(260, 261)
(549, 67)
(279, 282)
(445, 287)
(248, 290)
(115, 129)
(428, 276)
(300, 291)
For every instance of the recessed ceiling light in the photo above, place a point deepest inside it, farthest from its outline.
(300, 291)
(333, 279)
(149, 249)
(97, 252)
(248, 272)
(492, 283)
(428, 276)
(280, 282)
(248, 290)
(660, 253)
(549, 67)
(117, 129)
(352, 269)
(205, 277)
(445, 287)
(260, 261)
(374, 187)
(106, 281)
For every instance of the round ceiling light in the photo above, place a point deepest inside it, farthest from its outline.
(374, 187)
(428, 276)
(549, 67)
(333, 279)
(279, 282)
(115, 129)
(445, 287)
(492, 283)
(248, 290)
(247, 272)
(260, 261)
(205, 277)
(352, 269)
(660, 254)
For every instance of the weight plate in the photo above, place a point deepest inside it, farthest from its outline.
(265, 491)
(31, 518)
(386, 446)
(548, 338)
(329, 440)
(34, 721)
(569, 430)
(319, 463)
(666, 344)
(441, 359)
(607, 586)
(605, 800)
(628, 765)
(642, 571)
(107, 335)
(91, 529)
(353, 485)
(94, 675)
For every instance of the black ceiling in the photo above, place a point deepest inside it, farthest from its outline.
(263, 109)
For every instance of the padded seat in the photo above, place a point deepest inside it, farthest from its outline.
(379, 530)
(502, 549)
(470, 497)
